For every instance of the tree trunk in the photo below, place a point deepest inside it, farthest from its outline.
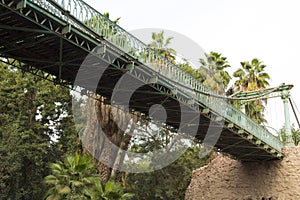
(107, 118)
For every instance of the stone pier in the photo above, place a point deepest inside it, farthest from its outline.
(225, 178)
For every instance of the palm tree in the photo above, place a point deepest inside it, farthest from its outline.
(160, 45)
(213, 73)
(252, 76)
(72, 178)
(76, 178)
(108, 191)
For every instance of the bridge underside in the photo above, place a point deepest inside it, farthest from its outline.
(45, 44)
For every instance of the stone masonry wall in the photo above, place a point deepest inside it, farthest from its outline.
(225, 178)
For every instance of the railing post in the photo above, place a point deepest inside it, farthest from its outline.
(243, 106)
(287, 126)
(243, 110)
(63, 4)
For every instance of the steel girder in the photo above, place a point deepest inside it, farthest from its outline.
(45, 25)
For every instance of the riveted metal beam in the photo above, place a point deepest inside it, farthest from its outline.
(24, 29)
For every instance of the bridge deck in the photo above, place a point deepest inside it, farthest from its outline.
(44, 37)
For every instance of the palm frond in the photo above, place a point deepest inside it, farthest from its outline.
(239, 73)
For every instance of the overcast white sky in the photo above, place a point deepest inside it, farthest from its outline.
(239, 29)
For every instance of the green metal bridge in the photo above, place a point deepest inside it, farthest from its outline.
(53, 37)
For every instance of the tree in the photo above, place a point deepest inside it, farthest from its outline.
(191, 71)
(295, 135)
(170, 182)
(108, 117)
(213, 72)
(32, 116)
(160, 45)
(72, 178)
(76, 178)
(109, 191)
(252, 76)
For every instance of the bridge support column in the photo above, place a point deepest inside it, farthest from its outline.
(285, 95)
(225, 178)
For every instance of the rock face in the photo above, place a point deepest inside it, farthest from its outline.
(225, 178)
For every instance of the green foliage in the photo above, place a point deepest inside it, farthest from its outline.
(191, 71)
(160, 45)
(70, 179)
(250, 77)
(103, 25)
(32, 113)
(213, 72)
(170, 182)
(109, 191)
(108, 29)
(76, 178)
(295, 135)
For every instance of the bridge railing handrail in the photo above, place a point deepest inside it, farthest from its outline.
(115, 34)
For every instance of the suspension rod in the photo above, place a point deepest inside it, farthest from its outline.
(294, 112)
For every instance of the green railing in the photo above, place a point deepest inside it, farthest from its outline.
(90, 21)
